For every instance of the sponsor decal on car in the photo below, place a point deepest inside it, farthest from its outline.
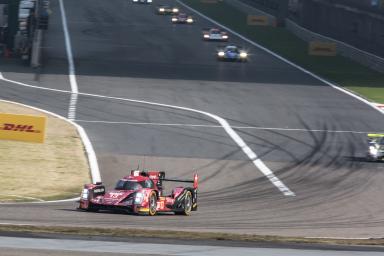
(99, 190)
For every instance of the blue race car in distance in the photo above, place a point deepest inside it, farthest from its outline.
(232, 53)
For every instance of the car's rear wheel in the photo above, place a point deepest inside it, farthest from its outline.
(187, 205)
(152, 204)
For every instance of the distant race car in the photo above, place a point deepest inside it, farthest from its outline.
(166, 10)
(142, 1)
(375, 147)
(141, 192)
(182, 18)
(232, 53)
(215, 34)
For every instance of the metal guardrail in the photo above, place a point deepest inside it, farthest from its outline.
(250, 9)
(359, 4)
(365, 58)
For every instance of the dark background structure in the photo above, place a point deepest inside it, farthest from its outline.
(356, 22)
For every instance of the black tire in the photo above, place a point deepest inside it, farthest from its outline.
(152, 201)
(187, 205)
(91, 208)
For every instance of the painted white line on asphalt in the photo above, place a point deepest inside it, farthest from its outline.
(72, 106)
(219, 126)
(238, 140)
(95, 172)
(284, 59)
(23, 197)
(42, 202)
(228, 129)
(92, 160)
(71, 66)
(379, 106)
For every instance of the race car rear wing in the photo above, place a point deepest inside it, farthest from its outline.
(373, 138)
(195, 180)
(159, 177)
(375, 135)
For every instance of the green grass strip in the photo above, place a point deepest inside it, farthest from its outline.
(340, 70)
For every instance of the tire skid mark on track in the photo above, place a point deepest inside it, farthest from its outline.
(232, 133)
(346, 91)
(234, 127)
(224, 124)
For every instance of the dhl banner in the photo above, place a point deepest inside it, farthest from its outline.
(22, 127)
(257, 20)
(322, 48)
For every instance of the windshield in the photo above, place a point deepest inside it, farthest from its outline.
(128, 185)
(232, 49)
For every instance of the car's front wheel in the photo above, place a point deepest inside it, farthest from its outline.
(152, 204)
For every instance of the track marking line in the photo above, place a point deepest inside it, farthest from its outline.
(91, 155)
(71, 66)
(224, 124)
(24, 197)
(218, 126)
(42, 202)
(238, 140)
(284, 59)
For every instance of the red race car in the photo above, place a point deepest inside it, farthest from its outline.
(141, 193)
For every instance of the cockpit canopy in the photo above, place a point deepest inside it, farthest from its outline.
(133, 184)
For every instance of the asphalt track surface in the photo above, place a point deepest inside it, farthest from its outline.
(12, 246)
(125, 50)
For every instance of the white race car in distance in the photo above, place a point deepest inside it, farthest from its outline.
(182, 18)
(215, 34)
(142, 1)
(166, 10)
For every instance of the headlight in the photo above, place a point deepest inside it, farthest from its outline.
(161, 9)
(206, 36)
(85, 194)
(225, 37)
(373, 150)
(221, 54)
(174, 19)
(139, 198)
(189, 20)
(243, 55)
(149, 1)
(175, 10)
